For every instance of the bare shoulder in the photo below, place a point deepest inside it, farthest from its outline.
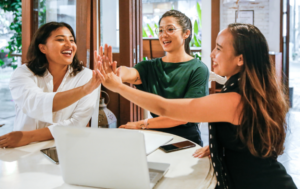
(225, 98)
(220, 107)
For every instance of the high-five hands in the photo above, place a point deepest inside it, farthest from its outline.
(107, 53)
(95, 81)
(109, 79)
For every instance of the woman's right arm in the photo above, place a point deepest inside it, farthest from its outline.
(129, 75)
(36, 103)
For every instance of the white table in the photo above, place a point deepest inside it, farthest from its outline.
(27, 168)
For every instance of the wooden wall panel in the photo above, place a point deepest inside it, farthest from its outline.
(156, 48)
(146, 49)
(126, 52)
(27, 6)
(83, 31)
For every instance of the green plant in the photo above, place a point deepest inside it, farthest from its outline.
(199, 11)
(15, 43)
(1, 63)
(42, 12)
(197, 55)
(196, 41)
(144, 33)
(151, 31)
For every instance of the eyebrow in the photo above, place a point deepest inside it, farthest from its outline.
(63, 36)
(219, 45)
(167, 25)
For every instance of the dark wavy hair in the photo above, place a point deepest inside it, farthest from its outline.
(263, 125)
(184, 22)
(36, 60)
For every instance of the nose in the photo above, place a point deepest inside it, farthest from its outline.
(68, 43)
(164, 33)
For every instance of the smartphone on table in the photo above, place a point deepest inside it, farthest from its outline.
(177, 146)
(51, 153)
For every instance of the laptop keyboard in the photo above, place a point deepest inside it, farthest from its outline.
(153, 175)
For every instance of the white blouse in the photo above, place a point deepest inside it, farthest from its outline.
(33, 97)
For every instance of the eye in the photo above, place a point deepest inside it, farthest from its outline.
(72, 40)
(60, 39)
(171, 29)
(160, 30)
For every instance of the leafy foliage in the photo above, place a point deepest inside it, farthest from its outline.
(199, 11)
(144, 33)
(15, 43)
(196, 41)
(151, 31)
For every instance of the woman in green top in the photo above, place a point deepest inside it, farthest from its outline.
(176, 75)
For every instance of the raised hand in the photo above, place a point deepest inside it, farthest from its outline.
(94, 82)
(109, 79)
(107, 53)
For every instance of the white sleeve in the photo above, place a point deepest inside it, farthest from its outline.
(29, 97)
(82, 112)
(215, 77)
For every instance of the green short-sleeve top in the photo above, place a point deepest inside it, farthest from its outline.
(174, 80)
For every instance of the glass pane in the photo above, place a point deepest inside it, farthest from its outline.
(55, 10)
(109, 24)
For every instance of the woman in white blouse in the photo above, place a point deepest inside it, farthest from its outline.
(53, 88)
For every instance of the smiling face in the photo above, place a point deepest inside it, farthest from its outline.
(60, 47)
(173, 41)
(225, 62)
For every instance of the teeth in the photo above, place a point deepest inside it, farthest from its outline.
(167, 42)
(67, 52)
(215, 64)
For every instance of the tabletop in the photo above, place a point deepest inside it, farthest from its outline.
(26, 167)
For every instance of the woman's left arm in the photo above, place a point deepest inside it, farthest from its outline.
(213, 108)
(22, 138)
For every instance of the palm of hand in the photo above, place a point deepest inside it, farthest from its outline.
(108, 77)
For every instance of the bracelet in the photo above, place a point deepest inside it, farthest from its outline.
(145, 124)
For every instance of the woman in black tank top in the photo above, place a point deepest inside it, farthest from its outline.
(247, 119)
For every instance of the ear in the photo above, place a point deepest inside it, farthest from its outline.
(240, 60)
(42, 48)
(186, 34)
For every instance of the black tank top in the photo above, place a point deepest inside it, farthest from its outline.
(234, 166)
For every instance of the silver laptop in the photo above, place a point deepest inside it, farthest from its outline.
(106, 158)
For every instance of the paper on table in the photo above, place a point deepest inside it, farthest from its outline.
(153, 141)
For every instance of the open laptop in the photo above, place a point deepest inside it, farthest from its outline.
(106, 158)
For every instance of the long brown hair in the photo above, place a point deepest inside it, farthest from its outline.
(263, 125)
(36, 60)
(184, 22)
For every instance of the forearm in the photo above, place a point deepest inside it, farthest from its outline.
(162, 122)
(130, 75)
(64, 99)
(38, 135)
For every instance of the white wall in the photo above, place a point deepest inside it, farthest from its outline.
(110, 23)
(266, 18)
(206, 32)
(274, 24)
